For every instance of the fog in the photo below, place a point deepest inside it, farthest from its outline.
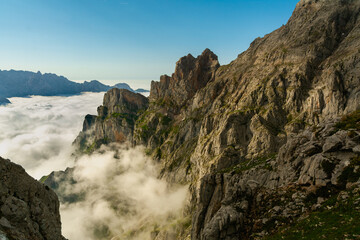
(120, 194)
(38, 132)
(123, 197)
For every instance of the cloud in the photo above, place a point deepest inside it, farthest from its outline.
(124, 199)
(121, 196)
(38, 132)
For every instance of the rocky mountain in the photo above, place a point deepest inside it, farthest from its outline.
(28, 209)
(269, 144)
(115, 120)
(24, 83)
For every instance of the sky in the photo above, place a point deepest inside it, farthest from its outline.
(133, 41)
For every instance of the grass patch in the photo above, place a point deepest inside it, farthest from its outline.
(350, 121)
(335, 220)
(43, 178)
(251, 163)
(165, 120)
(130, 118)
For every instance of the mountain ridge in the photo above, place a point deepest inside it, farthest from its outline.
(268, 144)
(272, 121)
(24, 83)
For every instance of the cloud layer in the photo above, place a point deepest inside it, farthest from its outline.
(121, 196)
(124, 199)
(37, 132)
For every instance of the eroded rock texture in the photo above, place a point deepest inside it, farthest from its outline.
(28, 209)
(266, 139)
(191, 74)
(114, 122)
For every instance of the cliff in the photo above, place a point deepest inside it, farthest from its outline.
(28, 209)
(267, 141)
(115, 120)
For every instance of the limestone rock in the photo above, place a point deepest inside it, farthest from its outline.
(191, 74)
(28, 209)
(115, 120)
(260, 129)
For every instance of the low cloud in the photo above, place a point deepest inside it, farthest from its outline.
(124, 199)
(38, 132)
(120, 194)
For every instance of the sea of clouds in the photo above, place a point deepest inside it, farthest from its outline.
(121, 196)
(37, 132)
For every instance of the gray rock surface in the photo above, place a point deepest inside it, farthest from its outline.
(28, 209)
(191, 74)
(271, 123)
(115, 120)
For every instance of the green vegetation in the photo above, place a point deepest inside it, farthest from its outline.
(90, 149)
(350, 121)
(43, 178)
(251, 163)
(337, 219)
(165, 120)
(165, 102)
(182, 155)
(130, 118)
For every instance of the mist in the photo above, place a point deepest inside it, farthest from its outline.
(120, 194)
(37, 132)
(123, 199)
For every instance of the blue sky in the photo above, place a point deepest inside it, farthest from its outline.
(132, 41)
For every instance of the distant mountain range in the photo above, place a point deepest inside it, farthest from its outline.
(24, 83)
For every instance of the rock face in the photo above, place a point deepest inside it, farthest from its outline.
(268, 138)
(115, 120)
(28, 209)
(191, 74)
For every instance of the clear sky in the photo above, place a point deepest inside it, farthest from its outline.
(131, 41)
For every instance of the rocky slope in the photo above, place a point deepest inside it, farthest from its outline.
(115, 120)
(28, 209)
(267, 141)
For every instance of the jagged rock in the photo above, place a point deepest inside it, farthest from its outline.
(333, 143)
(28, 209)
(191, 74)
(255, 132)
(115, 120)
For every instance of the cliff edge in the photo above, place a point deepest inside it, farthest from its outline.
(28, 209)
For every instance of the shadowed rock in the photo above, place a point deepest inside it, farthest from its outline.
(28, 209)
(115, 120)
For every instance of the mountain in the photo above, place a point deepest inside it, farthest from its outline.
(141, 90)
(94, 86)
(269, 144)
(4, 101)
(24, 83)
(115, 120)
(28, 209)
(123, 86)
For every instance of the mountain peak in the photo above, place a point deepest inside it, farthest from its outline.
(191, 74)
